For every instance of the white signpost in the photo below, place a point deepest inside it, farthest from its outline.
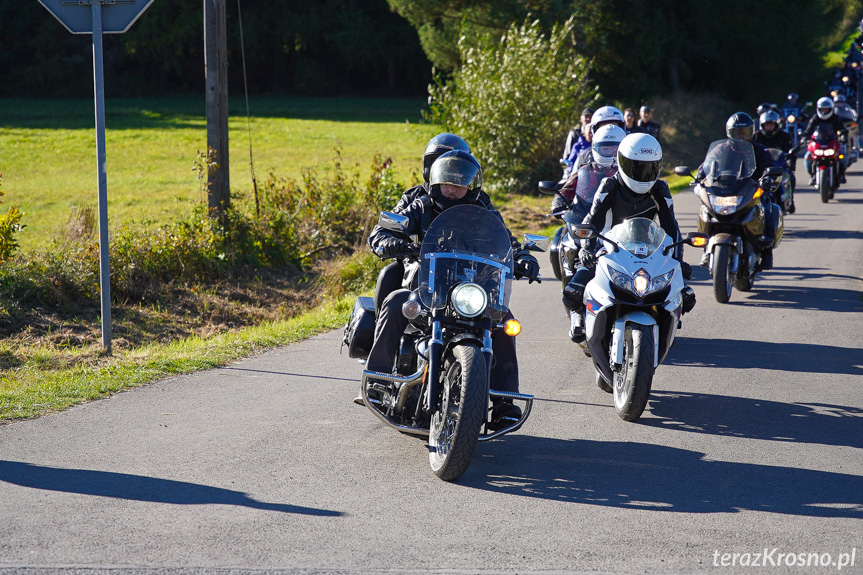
(99, 17)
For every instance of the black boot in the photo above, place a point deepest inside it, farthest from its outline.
(766, 260)
(576, 326)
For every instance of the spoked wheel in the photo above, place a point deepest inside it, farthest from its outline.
(722, 276)
(632, 383)
(455, 426)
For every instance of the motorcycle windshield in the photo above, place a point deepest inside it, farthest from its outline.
(589, 178)
(466, 244)
(824, 135)
(639, 236)
(775, 153)
(728, 161)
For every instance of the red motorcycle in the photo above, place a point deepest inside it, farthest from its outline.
(826, 153)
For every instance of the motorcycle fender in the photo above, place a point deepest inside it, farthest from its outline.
(640, 318)
(721, 239)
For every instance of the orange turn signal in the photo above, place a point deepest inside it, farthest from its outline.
(758, 193)
(699, 242)
(512, 327)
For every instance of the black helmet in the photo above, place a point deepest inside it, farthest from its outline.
(793, 96)
(740, 126)
(766, 118)
(764, 107)
(438, 145)
(457, 168)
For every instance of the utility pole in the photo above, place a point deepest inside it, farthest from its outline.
(216, 70)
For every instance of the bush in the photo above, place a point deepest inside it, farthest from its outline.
(514, 100)
(10, 224)
(295, 225)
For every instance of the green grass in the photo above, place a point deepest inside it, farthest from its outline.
(48, 151)
(38, 386)
(833, 60)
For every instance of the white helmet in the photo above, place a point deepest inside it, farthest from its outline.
(639, 158)
(606, 115)
(605, 142)
(824, 108)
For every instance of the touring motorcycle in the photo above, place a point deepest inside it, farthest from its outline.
(633, 307)
(439, 387)
(733, 214)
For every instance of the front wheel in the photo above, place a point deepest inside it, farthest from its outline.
(455, 426)
(823, 187)
(632, 382)
(722, 273)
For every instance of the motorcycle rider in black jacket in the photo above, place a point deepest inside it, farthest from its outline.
(824, 116)
(455, 178)
(770, 136)
(390, 278)
(634, 191)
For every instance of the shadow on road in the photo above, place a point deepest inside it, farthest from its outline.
(815, 423)
(753, 354)
(823, 234)
(137, 488)
(659, 478)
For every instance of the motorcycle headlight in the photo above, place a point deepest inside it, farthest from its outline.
(724, 205)
(661, 282)
(819, 152)
(829, 152)
(622, 280)
(469, 299)
(641, 283)
(791, 118)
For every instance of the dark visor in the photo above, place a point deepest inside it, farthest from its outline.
(639, 171)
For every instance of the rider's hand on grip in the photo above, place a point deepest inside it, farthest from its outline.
(526, 266)
(686, 270)
(587, 257)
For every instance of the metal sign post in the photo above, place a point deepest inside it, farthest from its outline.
(119, 15)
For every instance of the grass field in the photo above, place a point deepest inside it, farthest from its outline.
(48, 151)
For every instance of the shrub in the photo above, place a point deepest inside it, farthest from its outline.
(10, 224)
(514, 100)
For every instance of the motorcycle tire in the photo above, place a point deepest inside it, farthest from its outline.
(722, 276)
(602, 384)
(824, 189)
(462, 405)
(633, 380)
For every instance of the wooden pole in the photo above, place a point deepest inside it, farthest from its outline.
(216, 69)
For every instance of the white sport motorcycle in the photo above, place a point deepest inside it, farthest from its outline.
(633, 307)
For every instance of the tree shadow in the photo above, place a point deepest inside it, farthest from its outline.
(643, 476)
(815, 423)
(820, 234)
(137, 488)
(752, 354)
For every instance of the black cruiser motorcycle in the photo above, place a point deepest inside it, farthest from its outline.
(439, 387)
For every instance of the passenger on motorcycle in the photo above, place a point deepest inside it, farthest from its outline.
(455, 178)
(770, 136)
(604, 116)
(634, 191)
(390, 278)
(603, 151)
(825, 116)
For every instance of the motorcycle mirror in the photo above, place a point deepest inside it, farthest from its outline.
(535, 242)
(683, 171)
(393, 222)
(548, 186)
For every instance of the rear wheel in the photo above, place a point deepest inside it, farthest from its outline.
(722, 273)
(455, 426)
(632, 382)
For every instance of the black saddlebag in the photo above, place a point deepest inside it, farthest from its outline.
(360, 329)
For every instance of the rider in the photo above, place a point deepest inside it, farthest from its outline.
(604, 116)
(741, 127)
(770, 136)
(576, 140)
(634, 191)
(455, 179)
(603, 152)
(825, 116)
(390, 278)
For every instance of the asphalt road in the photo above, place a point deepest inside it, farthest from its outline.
(752, 441)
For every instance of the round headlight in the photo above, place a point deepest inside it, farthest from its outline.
(469, 300)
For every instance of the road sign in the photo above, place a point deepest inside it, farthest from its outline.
(117, 15)
(97, 17)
